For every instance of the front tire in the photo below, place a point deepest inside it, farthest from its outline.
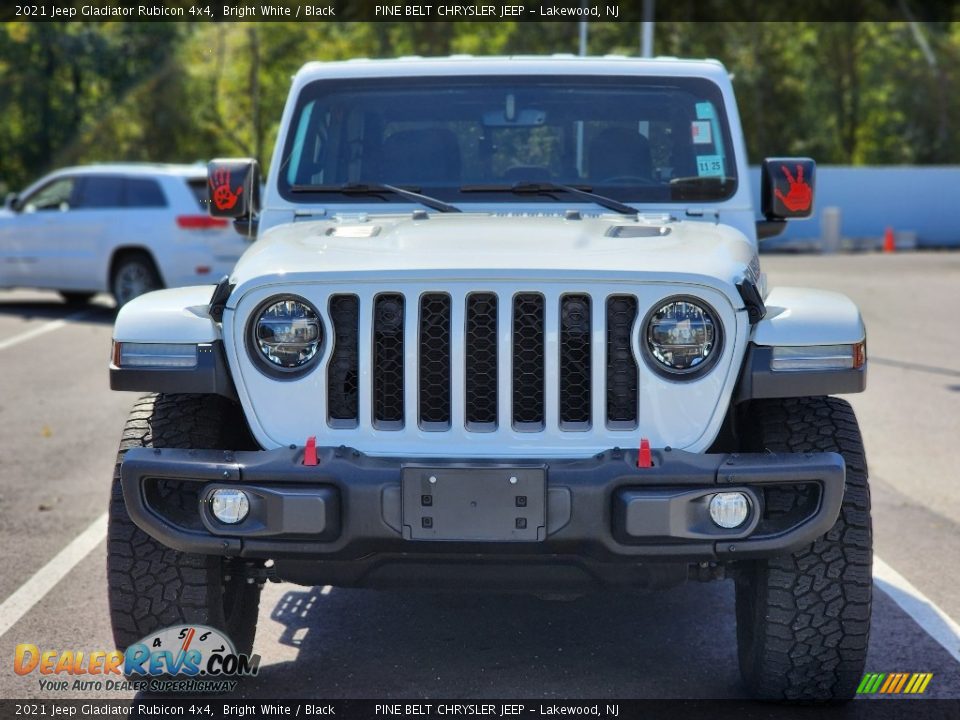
(803, 620)
(152, 586)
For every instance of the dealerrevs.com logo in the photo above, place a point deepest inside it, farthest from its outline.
(181, 658)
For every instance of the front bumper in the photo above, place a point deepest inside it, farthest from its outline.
(353, 511)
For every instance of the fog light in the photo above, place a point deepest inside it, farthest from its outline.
(729, 509)
(229, 506)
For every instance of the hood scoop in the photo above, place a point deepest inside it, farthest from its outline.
(353, 231)
(637, 231)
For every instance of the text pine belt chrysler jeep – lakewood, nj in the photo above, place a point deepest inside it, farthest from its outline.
(504, 327)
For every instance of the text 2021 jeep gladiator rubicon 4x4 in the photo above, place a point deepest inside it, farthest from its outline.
(504, 327)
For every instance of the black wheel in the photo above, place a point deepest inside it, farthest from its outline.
(133, 274)
(76, 298)
(803, 620)
(150, 585)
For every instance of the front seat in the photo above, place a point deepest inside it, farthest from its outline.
(618, 152)
(421, 157)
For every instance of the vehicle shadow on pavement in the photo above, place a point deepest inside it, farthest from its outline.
(679, 643)
(360, 644)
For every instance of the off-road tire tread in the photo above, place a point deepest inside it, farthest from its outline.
(803, 620)
(152, 586)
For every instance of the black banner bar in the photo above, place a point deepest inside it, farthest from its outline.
(468, 10)
(219, 709)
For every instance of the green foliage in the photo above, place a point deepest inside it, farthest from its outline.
(842, 92)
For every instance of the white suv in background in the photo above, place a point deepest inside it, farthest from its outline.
(121, 228)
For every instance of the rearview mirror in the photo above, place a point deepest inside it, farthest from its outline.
(234, 186)
(787, 188)
(524, 119)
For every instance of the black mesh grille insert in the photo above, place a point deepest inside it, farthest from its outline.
(528, 352)
(388, 360)
(621, 365)
(481, 365)
(343, 371)
(575, 346)
(435, 361)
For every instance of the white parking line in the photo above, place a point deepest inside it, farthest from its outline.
(46, 578)
(937, 624)
(42, 330)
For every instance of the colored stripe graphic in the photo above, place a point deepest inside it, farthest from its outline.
(870, 683)
(894, 683)
(876, 682)
(865, 683)
(903, 681)
(915, 681)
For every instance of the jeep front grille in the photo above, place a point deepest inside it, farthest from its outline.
(434, 352)
(343, 371)
(484, 361)
(388, 332)
(621, 365)
(575, 362)
(528, 361)
(480, 347)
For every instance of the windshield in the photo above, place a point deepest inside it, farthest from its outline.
(469, 139)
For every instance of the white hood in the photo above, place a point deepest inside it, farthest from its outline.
(476, 245)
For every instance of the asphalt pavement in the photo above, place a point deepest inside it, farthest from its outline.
(60, 425)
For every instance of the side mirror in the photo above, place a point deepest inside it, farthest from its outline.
(234, 186)
(787, 188)
(10, 202)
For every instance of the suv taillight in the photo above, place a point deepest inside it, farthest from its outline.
(200, 222)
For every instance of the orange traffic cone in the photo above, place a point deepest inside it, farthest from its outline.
(889, 245)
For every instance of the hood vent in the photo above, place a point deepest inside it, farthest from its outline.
(637, 231)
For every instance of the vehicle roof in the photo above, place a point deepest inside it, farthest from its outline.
(513, 65)
(136, 168)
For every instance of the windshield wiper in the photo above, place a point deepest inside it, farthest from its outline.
(378, 189)
(548, 188)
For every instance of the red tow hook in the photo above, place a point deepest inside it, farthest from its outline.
(310, 451)
(644, 457)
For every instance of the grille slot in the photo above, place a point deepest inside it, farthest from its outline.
(434, 380)
(343, 371)
(499, 369)
(388, 320)
(528, 362)
(622, 372)
(480, 347)
(575, 348)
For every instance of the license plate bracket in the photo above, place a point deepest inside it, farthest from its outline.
(474, 504)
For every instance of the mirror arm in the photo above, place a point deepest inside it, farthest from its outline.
(770, 228)
(247, 226)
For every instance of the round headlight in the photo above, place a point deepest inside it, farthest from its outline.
(287, 333)
(683, 336)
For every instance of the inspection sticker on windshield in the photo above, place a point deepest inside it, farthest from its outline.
(700, 131)
(710, 166)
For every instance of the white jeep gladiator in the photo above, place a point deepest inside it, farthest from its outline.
(504, 327)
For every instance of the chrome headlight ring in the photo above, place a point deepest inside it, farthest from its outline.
(681, 337)
(285, 336)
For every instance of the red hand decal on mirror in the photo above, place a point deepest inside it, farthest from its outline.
(223, 197)
(800, 195)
